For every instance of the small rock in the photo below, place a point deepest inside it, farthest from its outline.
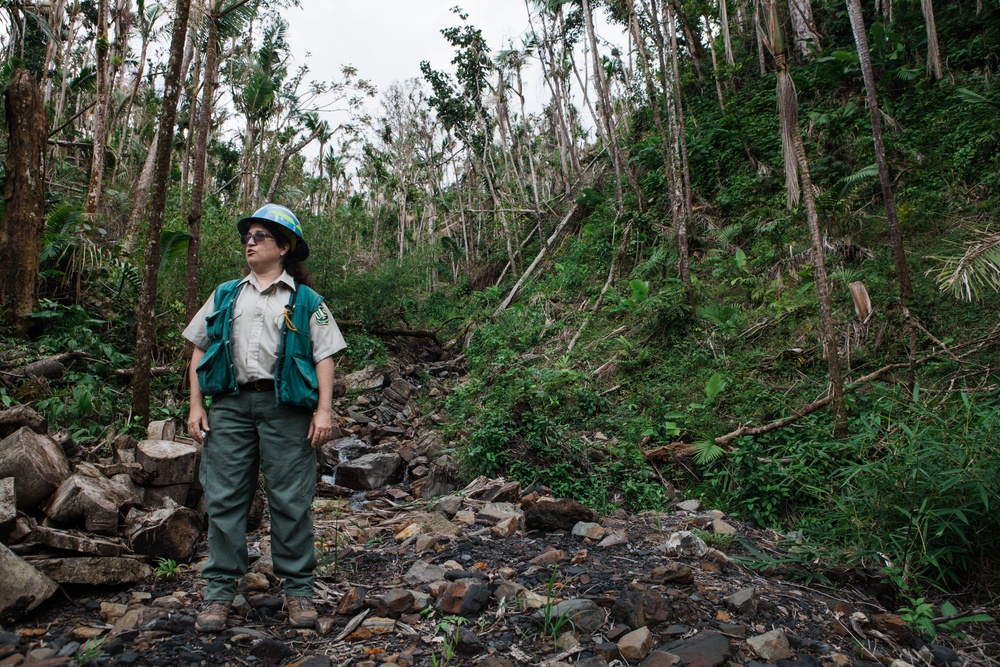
(671, 573)
(720, 527)
(439, 523)
(353, 600)
(505, 528)
(549, 557)
(685, 544)
(660, 659)
(894, 626)
(272, 650)
(463, 597)
(585, 615)
(592, 661)
(613, 540)
(771, 646)
(639, 608)
(465, 518)
(556, 515)
(426, 542)
(423, 573)
(395, 603)
(744, 601)
(253, 582)
(567, 641)
(636, 644)
(692, 505)
(468, 642)
(705, 649)
(412, 530)
(447, 505)
(593, 531)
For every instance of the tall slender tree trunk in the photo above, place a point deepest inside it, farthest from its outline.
(788, 102)
(806, 36)
(23, 222)
(726, 41)
(204, 126)
(146, 328)
(902, 271)
(665, 144)
(934, 66)
(100, 114)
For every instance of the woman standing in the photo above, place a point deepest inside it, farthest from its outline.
(264, 347)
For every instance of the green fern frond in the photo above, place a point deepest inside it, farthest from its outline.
(706, 451)
(727, 234)
(863, 174)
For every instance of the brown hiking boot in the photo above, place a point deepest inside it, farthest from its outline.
(213, 617)
(301, 612)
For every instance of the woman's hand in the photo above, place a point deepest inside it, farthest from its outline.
(321, 427)
(197, 425)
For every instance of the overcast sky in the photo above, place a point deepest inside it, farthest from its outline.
(387, 39)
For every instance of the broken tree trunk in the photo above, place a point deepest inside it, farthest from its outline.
(69, 540)
(171, 532)
(50, 367)
(93, 570)
(90, 499)
(577, 213)
(14, 418)
(8, 506)
(37, 465)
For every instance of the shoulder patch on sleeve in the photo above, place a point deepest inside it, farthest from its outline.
(322, 315)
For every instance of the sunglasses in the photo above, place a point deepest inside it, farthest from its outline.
(258, 237)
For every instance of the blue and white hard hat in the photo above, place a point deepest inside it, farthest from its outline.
(276, 215)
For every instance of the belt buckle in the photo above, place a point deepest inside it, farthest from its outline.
(260, 385)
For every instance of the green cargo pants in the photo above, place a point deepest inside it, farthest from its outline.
(250, 433)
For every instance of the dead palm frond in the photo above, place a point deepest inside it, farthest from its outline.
(966, 275)
(788, 102)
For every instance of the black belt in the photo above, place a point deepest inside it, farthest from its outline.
(258, 385)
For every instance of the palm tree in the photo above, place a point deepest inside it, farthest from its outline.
(791, 135)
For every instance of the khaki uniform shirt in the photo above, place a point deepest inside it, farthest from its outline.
(258, 320)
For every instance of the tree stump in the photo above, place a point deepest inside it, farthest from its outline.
(24, 587)
(167, 462)
(171, 532)
(37, 465)
(90, 498)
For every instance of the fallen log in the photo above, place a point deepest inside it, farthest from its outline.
(92, 570)
(19, 416)
(50, 367)
(576, 213)
(37, 465)
(68, 540)
(677, 447)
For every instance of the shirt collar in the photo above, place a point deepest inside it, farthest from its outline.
(285, 278)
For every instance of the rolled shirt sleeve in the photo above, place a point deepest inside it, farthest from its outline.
(197, 330)
(325, 334)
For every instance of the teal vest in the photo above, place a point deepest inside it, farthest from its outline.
(295, 380)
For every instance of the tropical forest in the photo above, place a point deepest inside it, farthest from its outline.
(676, 262)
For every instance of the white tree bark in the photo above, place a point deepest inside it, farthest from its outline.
(804, 32)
